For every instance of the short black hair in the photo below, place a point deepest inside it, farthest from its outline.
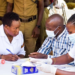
(9, 17)
(72, 19)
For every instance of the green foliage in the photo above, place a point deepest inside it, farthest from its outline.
(71, 5)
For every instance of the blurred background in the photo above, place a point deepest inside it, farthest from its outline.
(70, 4)
(66, 8)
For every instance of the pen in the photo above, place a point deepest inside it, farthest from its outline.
(9, 51)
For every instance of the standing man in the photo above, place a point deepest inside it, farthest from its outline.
(3, 5)
(43, 34)
(30, 24)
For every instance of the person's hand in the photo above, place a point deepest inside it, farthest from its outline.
(15, 57)
(47, 61)
(37, 55)
(7, 57)
(36, 32)
(10, 57)
(46, 68)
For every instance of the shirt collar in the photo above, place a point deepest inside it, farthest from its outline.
(3, 33)
(16, 37)
(64, 32)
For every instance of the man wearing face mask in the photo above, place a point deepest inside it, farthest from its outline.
(57, 40)
(64, 59)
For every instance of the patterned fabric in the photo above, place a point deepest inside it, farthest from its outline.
(60, 45)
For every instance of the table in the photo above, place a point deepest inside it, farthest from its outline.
(5, 69)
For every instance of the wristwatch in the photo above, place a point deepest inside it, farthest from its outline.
(38, 26)
(1, 56)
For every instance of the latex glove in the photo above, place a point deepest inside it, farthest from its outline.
(47, 61)
(47, 68)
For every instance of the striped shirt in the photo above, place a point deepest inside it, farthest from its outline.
(60, 45)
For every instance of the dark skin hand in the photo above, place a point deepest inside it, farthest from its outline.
(37, 55)
(10, 57)
(36, 30)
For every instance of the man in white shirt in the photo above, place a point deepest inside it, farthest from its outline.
(11, 39)
(64, 59)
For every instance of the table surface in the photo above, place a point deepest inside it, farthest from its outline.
(5, 69)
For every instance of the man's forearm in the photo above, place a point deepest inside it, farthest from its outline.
(40, 11)
(64, 59)
(60, 72)
(9, 7)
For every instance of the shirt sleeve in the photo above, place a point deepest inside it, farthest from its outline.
(72, 52)
(45, 48)
(10, 1)
(22, 51)
(51, 56)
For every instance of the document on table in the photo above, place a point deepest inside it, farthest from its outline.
(65, 67)
(19, 61)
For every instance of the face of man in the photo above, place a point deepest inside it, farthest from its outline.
(70, 28)
(13, 30)
(52, 25)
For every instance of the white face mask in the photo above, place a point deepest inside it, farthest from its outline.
(72, 37)
(51, 33)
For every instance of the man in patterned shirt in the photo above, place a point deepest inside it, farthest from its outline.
(57, 40)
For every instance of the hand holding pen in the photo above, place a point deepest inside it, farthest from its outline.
(10, 57)
(14, 57)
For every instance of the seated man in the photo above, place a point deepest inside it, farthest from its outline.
(64, 59)
(11, 39)
(57, 40)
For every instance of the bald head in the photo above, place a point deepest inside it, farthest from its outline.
(55, 22)
(56, 19)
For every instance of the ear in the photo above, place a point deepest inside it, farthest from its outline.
(6, 26)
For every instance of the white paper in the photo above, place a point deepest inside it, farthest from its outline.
(65, 67)
(19, 61)
(27, 63)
